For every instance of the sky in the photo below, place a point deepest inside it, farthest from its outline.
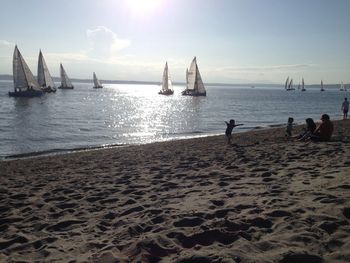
(235, 41)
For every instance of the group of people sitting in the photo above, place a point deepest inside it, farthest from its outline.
(321, 133)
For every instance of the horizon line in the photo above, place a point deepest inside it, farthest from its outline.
(252, 84)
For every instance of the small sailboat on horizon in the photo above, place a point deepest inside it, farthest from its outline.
(289, 84)
(97, 83)
(44, 78)
(65, 81)
(194, 82)
(25, 84)
(286, 83)
(342, 87)
(166, 82)
(302, 85)
(322, 88)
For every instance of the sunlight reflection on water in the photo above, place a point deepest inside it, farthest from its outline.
(133, 114)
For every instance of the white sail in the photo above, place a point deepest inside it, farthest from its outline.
(22, 76)
(166, 81)
(342, 87)
(290, 85)
(65, 82)
(97, 83)
(195, 82)
(44, 77)
(200, 84)
(187, 78)
(191, 75)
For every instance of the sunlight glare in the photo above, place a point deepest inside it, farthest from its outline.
(143, 7)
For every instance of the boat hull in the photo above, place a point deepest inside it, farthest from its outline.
(193, 94)
(26, 94)
(98, 87)
(60, 87)
(49, 90)
(168, 92)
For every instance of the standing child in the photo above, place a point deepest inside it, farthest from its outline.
(345, 108)
(229, 129)
(289, 127)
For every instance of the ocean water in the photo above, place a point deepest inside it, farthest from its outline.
(121, 114)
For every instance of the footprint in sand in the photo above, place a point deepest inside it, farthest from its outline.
(17, 239)
(65, 225)
(189, 222)
(301, 258)
(218, 202)
(346, 212)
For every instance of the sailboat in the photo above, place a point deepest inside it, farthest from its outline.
(286, 84)
(302, 85)
(44, 78)
(195, 86)
(322, 89)
(65, 82)
(166, 83)
(25, 85)
(342, 87)
(290, 85)
(97, 84)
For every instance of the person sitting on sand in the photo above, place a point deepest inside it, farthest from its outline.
(324, 131)
(289, 127)
(345, 108)
(229, 129)
(310, 129)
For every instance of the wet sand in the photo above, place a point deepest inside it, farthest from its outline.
(263, 199)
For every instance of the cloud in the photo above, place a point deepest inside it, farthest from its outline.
(71, 57)
(265, 68)
(6, 43)
(105, 47)
(104, 42)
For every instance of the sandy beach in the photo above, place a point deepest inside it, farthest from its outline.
(263, 199)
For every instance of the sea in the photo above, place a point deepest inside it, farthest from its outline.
(126, 114)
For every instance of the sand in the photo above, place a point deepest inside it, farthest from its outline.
(262, 199)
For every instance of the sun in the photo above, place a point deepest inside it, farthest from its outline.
(143, 7)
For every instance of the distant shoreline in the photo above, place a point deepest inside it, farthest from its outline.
(250, 85)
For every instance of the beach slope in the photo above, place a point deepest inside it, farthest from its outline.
(262, 199)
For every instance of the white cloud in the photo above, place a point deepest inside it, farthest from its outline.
(105, 43)
(265, 68)
(6, 43)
